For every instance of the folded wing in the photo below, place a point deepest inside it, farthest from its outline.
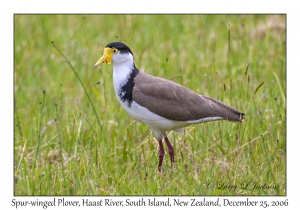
(175, 102)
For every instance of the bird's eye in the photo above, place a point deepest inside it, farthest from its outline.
(115, 50)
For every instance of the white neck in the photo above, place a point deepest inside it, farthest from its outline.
(122, 69)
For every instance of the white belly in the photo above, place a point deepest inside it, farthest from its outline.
(159, 125)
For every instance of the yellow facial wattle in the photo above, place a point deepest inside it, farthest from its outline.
(107, 56)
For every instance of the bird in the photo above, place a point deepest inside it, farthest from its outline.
(161, 104)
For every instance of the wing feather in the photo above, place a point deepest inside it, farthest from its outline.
(175, 102)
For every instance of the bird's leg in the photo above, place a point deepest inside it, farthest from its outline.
(170, 149)
(161, 154)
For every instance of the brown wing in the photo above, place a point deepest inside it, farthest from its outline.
(175, 102)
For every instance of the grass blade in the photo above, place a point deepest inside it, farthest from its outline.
(94, 110)
(259, 86)
(280, 88)
(39, 129)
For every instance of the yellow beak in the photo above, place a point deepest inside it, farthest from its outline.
(106, 57)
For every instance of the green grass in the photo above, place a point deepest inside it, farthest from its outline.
(68, 142)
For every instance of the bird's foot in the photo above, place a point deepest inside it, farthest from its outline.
(171, 150)
(161, 154)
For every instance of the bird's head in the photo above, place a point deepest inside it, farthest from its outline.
(116, 53)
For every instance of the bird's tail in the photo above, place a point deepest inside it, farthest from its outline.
(225, 111)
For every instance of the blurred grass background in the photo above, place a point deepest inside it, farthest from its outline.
(61, 149)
